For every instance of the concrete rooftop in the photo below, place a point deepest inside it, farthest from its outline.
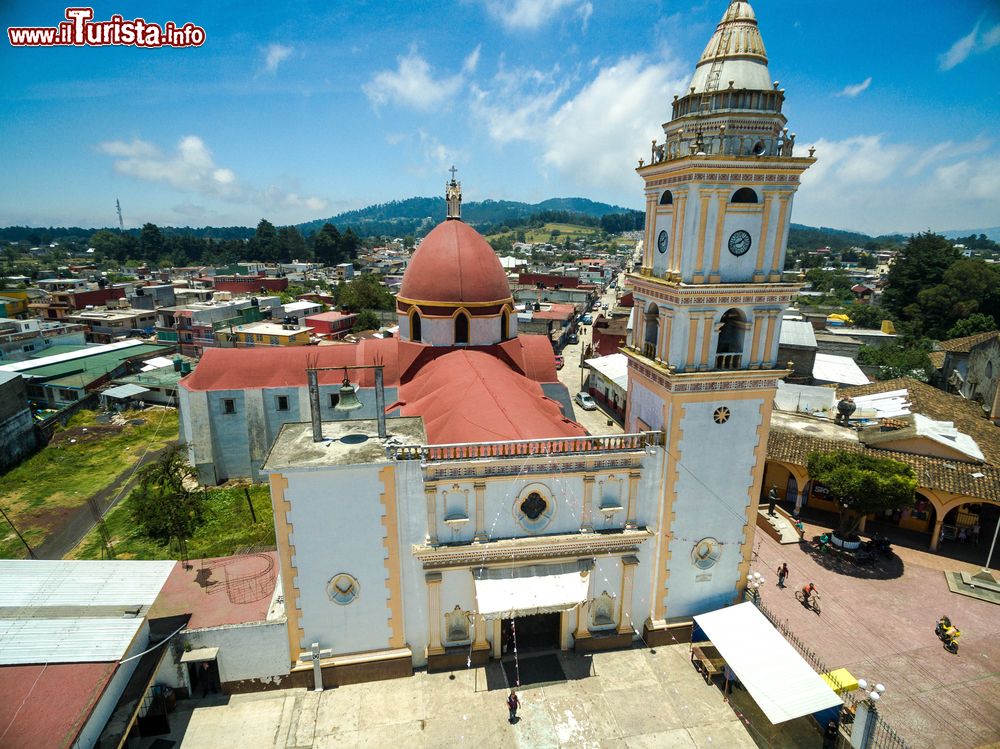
(344, 443)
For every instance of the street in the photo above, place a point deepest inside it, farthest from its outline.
(571, 375)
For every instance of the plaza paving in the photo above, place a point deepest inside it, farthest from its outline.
(880, 626)
(631, 698)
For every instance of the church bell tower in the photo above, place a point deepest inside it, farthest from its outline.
(702, 351)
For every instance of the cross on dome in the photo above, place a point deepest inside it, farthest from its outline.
(453, 196)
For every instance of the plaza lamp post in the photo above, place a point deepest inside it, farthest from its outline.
(754, 582)
(866, 716)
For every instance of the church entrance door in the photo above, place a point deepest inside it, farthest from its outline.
(533, 634)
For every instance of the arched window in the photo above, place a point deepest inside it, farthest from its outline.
(415, 326)
(504, 325)
(667, 198)
(744, 195)
(729, 349)
(651, 329)
(461, 328)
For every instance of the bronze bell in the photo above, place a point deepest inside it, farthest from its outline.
(348, 398)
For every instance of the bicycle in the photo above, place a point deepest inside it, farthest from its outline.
(813, 600)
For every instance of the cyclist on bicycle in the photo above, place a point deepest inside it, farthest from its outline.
(807, 590)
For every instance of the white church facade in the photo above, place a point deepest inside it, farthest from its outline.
(465, 516)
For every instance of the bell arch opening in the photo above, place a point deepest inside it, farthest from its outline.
(744, 195)
(667, 198)
(729, 347)
(651, 331)
(504, 325)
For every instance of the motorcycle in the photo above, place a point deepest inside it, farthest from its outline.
(948, 634)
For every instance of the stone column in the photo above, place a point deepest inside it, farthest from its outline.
(433, 580)
(706, 341)
(666, 326)
(784, 209)
(480, 643)
(936, 534)
(633, 496)
(722, 201)
(800, 499)
(480, 535)
(582, 621)
(430, 495)
(586, 524)
(625, 623)
(762, 244)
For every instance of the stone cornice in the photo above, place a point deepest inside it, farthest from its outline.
(675, 292)
(531, 548)
(705, 381)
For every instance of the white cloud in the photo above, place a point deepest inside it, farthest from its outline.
(413, 84)
(593, 136)
(973, 43)
(192, 169)
(871, 184)
(520, 15)
(857, 88)
(274, 55)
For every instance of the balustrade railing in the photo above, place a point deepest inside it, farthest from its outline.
(526, 448)
(728, 361)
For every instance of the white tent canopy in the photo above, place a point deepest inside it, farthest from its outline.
(536, 589)
(782, 684)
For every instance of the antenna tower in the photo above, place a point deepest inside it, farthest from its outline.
(121, 221)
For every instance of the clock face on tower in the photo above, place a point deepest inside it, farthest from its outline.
(661, 242)
(739, 242)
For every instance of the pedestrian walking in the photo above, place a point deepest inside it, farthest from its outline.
(772, 498)
(782, 574)
(512, 704)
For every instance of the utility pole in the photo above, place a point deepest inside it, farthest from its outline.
(121, 221)
(31, 552)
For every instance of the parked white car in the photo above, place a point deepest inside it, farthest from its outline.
(586, 402)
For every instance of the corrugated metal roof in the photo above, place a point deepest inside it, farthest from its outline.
(71, 640)
(67, 611)
(129, 390)
(64, 582)
(797, 333)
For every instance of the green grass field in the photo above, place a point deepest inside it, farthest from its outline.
(228, 526)
(80, 460)
(573, 231)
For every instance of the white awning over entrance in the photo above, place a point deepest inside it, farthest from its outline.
(782, 684)
(537, 589)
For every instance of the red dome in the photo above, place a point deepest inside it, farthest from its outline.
(454, 265)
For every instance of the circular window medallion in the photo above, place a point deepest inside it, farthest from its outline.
(739, 242)
(721, 415)
(342, 588)
(662, 241)
(533, 509)
(706, 553)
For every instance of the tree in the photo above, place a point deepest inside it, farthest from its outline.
(291, 244)
(367, 320)
(263, 245)
(326, 245)
(861, 484)
(975, 323)
(366, 293)
(901, 358)
(920, 264)
(166, 504)
(866, 316)
(151, 243)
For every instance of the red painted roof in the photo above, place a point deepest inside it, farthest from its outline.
(496, 403)
(285, 366)
(333, 316)
(454, 264)
(202, 590)
(48, 705)
(555, 312)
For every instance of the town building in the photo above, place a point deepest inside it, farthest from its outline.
(971, 368)
(108, 325)
(331, 324)
(59, 380)
(267, 334)
(17, 429)
(20, 339)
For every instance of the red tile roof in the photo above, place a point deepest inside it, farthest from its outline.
(48, 705)
(471, 396)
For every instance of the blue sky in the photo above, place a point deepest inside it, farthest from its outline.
(297, 110)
